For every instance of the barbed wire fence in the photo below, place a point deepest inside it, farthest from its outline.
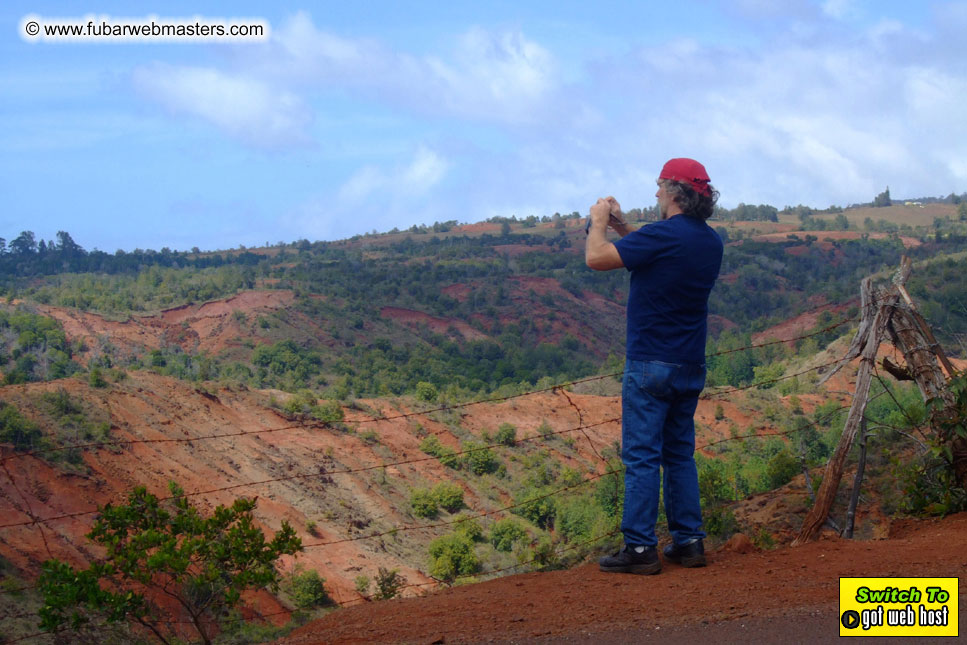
(559, 388)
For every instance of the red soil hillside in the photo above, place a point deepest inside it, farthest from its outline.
(262, 445)
(804, 323)
(242, 446)
(157, 414)
(208, 327)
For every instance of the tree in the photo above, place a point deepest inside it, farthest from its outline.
(388, 584)
(24, 243)
(199, 565)
(883, 199)
(67, 245)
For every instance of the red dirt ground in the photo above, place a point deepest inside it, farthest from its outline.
(804, 322)
(209, 326)
(783, 586)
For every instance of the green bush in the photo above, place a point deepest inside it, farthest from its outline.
(480, 459)
(448, 496)
(506, 434)
(388, 583)
(451, 556)
(96, 378)
(781, 468)
(329, 412)
(469, 527)
(929, 486)
(423, 503)
(285, 364)
(576, 518)
(543, 554)
(301, 402)
(766, 375)
(426, 392)
(60, 404)
(432, 446)
(308, 590)
(505, 533)
(569, 477)
(720, 522)
(609, 493)
(539, 511)
(15, 428)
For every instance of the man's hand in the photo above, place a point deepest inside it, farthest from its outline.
(599, 253)
(601, 213)
(617, 220)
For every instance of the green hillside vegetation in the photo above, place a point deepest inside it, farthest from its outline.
(33, 348)
(526, 337)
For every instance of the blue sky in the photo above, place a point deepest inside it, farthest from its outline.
(354, 117)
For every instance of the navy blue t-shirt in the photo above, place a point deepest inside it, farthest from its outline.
(674, 264)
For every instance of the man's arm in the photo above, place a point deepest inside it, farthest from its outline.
(599, 253)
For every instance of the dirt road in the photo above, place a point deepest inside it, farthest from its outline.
(782, 595)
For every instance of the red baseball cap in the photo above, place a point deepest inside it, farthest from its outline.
(687, 171)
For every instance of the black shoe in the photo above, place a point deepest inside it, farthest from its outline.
(632, 559)
(688, 555)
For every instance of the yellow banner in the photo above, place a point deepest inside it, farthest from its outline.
(898, 606)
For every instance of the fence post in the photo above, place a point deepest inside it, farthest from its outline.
(857, 480)
(867, 338)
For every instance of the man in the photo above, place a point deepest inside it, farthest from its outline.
(674, 264)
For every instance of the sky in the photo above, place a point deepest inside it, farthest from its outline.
(356, 117)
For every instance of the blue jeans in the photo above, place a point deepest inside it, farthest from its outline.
(658, 402)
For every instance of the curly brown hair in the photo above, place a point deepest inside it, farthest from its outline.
(692, 203)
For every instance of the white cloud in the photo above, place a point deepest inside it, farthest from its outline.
(489, 76)
(426, 170)
(410, 181)
(838, 9)
(815, 112)
(376, 198)
(493, 74)
(362, 184)
(241, 106)
(816, 119)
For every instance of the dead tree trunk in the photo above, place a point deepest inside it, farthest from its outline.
(854, 497)
(883, 314)
(865, 343)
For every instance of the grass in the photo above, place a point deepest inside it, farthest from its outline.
(912, 216)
